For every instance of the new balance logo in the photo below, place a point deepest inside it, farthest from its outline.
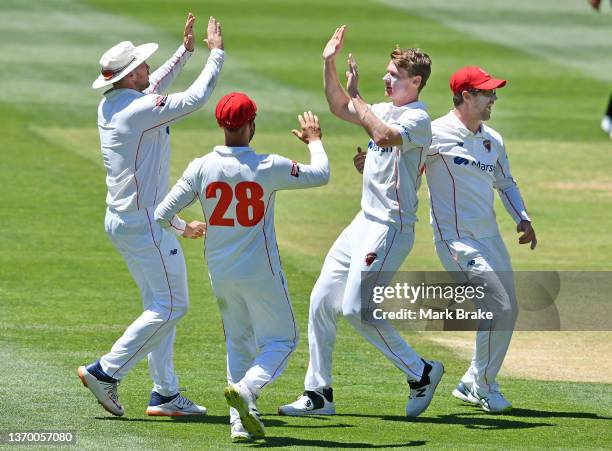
(174, 252)
(421, 393)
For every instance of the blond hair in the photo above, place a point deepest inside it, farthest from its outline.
(413, 61)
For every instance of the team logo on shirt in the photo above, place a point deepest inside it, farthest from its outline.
(370, 257)
(160, 101)
(295, 169)
(487, 144)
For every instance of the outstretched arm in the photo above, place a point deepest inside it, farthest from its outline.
(293, 175)
(381, 133)
(153, 111)
(162, 78)
(338, 101)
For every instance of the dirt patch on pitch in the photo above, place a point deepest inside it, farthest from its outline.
(549, 356)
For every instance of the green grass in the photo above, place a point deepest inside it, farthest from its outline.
(65, 293)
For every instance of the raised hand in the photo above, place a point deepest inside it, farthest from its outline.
(359, 160)
(311, 130)
(352, 76)
(188, 32)
(334, 45)
(214, 39)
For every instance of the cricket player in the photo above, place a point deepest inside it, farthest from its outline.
(134, 119)
(236, 188)
(466, 162)
(381, 235)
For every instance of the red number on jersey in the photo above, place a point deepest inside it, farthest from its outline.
(217, 218)
(249, 196)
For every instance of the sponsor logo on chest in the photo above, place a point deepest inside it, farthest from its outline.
(460, 161)
(373, 147)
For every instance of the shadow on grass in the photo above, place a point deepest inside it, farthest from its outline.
(273, 442)
(208, 419)
(479, 420)
(468, 420)
(528, 413)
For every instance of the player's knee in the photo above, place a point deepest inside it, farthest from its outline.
(178, 310)
(283, 346)
(321, 306)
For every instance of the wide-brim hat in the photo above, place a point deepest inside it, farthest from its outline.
(120, 60)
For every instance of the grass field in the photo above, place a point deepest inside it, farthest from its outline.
(65, 293)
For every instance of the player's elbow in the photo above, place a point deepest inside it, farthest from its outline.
(325, 177)
(336, 110)
(158, 215)
(323, 174)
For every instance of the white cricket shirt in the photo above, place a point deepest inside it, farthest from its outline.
(236, 188)
(392, 175)
(463, 169)
(135, 134)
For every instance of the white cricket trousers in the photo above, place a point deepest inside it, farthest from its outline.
(157, 264)
(338, 291)
(485, 260)
(259, 326)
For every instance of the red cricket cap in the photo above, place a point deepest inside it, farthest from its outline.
(234, 110)
(472, 77)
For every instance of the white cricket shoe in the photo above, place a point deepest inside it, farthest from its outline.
(105, 392)
(493, 402)
(311, 403)
(240, 398)
(462, 392)
(421, 393)
(606, 125)
(239, 433)
(177, 407)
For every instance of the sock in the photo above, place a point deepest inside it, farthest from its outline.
(95, 369)
(424, 378)
(157, 399)
(328, 393)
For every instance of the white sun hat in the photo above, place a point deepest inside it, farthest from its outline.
(120, 60)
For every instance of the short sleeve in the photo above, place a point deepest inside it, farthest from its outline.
(415, 129)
